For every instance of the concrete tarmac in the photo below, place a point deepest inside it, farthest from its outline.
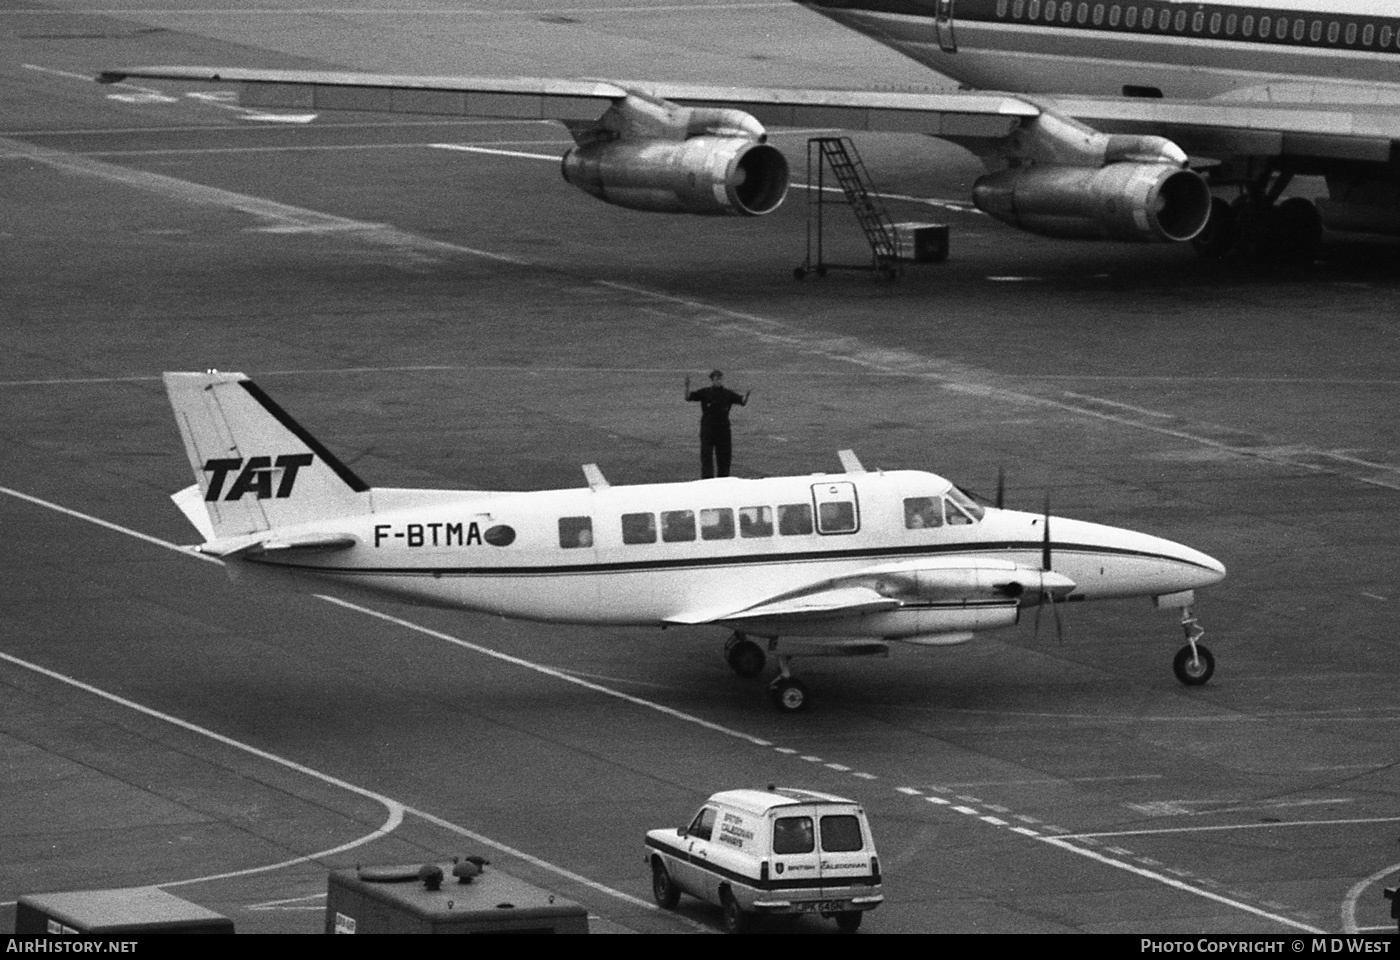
(437, 306)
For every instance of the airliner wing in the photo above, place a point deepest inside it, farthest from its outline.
(1330, 120)
(950, 115)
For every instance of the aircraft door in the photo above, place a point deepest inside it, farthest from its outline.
(943, 26)
(836, 507)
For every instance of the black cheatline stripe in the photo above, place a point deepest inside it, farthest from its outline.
(986, 11)
(773, 886)
(283, 417)
(970, 550)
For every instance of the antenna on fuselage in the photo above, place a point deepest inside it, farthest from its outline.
(595, 478)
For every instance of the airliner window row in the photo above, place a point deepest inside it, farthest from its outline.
(1234, 22)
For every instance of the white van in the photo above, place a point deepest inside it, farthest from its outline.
(774, 851)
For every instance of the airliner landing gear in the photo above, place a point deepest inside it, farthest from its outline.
(1194, 664)
(1257, 223)
(744, 657)
(788, 693)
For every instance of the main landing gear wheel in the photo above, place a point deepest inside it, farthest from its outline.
(789, 695)
(663, 888)
(744, 657)
(1193, 666)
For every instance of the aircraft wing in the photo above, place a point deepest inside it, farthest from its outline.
(950, 582)
(538, 98)
(1314, 120)
(832, 601)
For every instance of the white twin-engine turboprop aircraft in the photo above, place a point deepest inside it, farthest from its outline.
(857, 557)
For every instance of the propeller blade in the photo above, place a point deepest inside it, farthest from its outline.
(1001, 487)
(1045, 543)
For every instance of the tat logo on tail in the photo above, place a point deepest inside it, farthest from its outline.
(256, 476)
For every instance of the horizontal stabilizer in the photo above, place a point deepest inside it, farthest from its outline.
(258, 545)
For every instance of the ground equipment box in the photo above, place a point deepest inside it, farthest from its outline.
(921, 242)
(461, 897)
(113, 912)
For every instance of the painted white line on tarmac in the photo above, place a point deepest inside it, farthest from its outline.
(396, 810)
(1348, 904)
(1237, 826)
(1159, 877)
(549, 671)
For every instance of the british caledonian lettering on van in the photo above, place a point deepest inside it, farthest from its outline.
(732, 831)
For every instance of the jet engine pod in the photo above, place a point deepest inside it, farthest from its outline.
(1122, 201)
(708, 175)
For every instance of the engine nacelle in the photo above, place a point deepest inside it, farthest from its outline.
(940, 626)
(712, 175)
(1121, 201)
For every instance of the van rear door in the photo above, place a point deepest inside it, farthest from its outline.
(846, 850)
(796, 859)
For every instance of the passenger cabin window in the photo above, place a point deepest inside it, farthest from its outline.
(755, 521)
(794, 519)
(923, 512)
(703, 826)
(793, 835)
(836, 507)
(575, 532)
(677, 525)
(639, 528)
(717, 524)
(841, 833)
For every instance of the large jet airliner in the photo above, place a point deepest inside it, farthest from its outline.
(855, 558)
(1148, 120)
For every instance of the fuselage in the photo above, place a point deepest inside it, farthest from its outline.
(1342, 49)
(690, 552)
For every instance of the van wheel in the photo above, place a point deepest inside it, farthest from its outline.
(663, 888)
(848, 921)
(735, 919)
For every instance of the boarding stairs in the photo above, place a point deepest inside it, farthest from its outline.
(839, 156)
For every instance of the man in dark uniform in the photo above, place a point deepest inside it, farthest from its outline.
(715, 401)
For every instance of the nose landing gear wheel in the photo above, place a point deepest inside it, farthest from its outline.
(1193, 667)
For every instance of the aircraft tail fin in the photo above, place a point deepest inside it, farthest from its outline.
(256, 468)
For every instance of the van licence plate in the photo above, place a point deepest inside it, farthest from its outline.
(823, 906)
